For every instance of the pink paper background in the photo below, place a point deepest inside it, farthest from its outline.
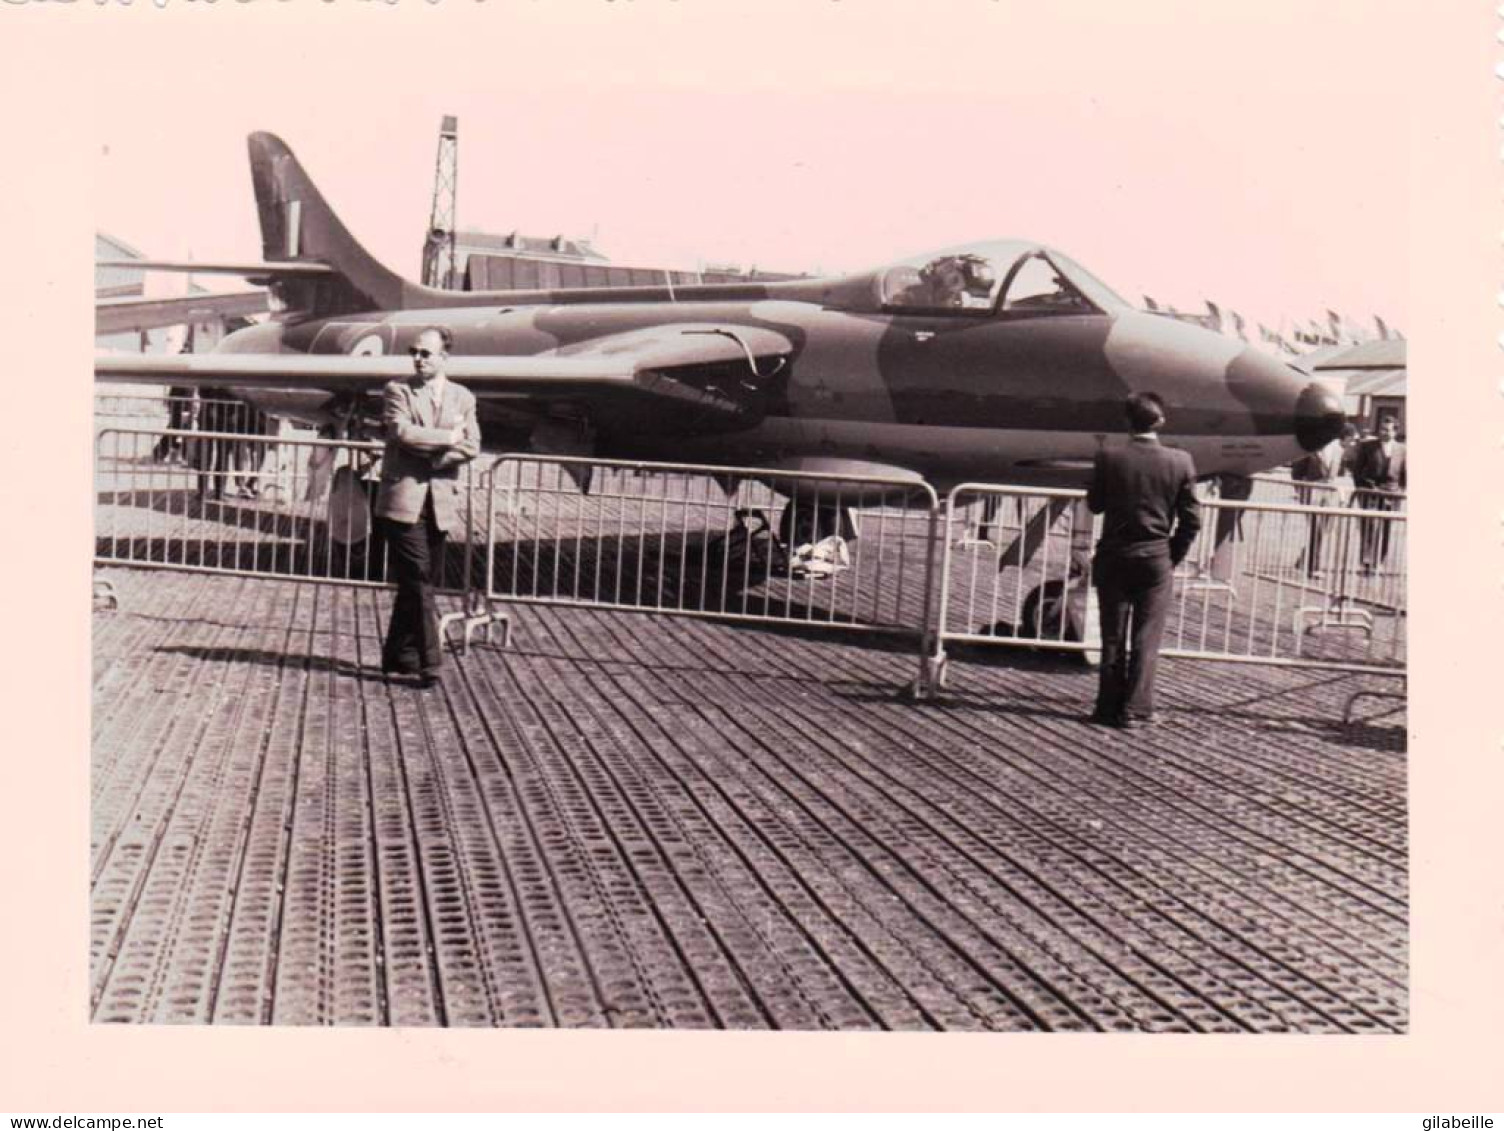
(1268, 156)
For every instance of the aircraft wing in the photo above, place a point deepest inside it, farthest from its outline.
(666, 375)
(123, 315)
(287, 268)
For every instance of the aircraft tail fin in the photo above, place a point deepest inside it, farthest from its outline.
(297, 225)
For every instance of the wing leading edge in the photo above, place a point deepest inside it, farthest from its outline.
(121, 315)
(713, 375)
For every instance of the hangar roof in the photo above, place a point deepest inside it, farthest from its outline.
(1386, 353)
(518, 244)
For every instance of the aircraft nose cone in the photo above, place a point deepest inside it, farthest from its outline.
(1318, 417)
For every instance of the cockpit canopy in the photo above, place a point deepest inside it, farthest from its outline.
(1007, 277)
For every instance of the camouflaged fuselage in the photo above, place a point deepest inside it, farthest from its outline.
(949, 397)
(1009, 378)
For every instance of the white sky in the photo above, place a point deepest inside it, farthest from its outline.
(1248, 153)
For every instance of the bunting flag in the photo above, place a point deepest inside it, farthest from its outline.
(1214, 316)
(1334, 320)
(1383, 329)
(1150, 304)
(1266, 334)
(1239, 325)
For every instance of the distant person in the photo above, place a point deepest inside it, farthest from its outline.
(169, 449)
(1315, 478)
(211, 456)
(1147, 493)
(228, 467)
(248, 456)
(1378, 477)
(431, 431)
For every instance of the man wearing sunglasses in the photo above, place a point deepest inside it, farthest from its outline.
(430, 431)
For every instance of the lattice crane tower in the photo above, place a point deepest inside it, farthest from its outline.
(438, 248)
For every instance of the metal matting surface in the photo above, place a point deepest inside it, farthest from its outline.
(666, 822)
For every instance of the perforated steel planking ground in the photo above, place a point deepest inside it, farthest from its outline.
(631, 820)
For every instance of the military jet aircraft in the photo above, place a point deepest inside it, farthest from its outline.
(1002, 361)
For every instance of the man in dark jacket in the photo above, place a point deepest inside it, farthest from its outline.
(1379, 476)
(1147, 494)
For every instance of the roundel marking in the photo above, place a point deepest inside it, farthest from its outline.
(369, 346)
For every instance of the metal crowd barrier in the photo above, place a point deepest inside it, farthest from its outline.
(290, 508)
(1017, 567)
(1316, 587)
(838, 551)
(254, 506)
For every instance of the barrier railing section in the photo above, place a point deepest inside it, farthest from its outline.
(264, 506)
(1280, 489)
(174, 414)
(252, 505)
(281, 507)
(1317, 587)
(843, 551)
(1016, 566)
(1374, 498)
(1313, 586)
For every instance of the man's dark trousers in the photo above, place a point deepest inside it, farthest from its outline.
(1374, 535)
(1133, 595)
(412, 639)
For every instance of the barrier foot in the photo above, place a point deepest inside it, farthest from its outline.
(104, 590)
(931, 679)
(475, 619)
(1347, 708)
(1210, 584)
(973, 542)
(1326, 617)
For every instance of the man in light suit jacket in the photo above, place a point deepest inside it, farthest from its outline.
(1146, 493)
(431, 431)
(1379, 476)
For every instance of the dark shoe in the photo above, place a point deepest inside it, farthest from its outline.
(428, 679)
(1102, 720)
(399, 669)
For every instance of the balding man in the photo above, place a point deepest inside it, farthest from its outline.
(431, 431)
